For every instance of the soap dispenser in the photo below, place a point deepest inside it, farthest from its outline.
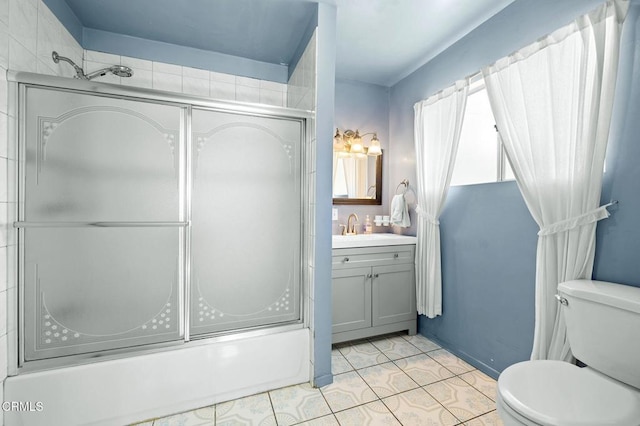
(368, 228)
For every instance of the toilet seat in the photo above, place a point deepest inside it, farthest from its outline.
(556, 393)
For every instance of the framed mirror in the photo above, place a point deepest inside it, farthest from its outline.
(357, 179)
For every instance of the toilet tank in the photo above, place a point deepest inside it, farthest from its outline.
(603, 327)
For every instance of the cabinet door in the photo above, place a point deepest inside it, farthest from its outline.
(351, 299)
(394, 294)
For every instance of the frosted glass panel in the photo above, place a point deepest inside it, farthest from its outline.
(246, 221)
(91, 158)
(89, 289)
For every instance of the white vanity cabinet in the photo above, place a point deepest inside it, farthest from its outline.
(374, 291)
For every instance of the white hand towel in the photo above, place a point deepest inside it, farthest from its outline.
(400, 211)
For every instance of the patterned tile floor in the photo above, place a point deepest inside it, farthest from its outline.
(389, 380)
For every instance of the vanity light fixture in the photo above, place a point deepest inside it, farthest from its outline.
(349, 143)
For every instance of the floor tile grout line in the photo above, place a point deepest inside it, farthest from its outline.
(273, 410)
(419, 387)
(421, 351)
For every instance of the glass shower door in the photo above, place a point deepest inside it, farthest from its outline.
(246, 221)
(102, 223)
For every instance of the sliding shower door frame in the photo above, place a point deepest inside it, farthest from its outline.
(18, 84)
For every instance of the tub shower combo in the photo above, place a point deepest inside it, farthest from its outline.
(161, 234)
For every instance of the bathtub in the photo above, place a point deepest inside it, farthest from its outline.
(137, 388)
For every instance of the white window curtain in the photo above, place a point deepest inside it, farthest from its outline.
(552, 101)
(438, 122)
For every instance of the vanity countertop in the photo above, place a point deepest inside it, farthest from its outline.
(371, 240)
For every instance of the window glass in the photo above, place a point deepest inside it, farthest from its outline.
(480, 153)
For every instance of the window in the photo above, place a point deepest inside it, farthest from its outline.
(481, 157)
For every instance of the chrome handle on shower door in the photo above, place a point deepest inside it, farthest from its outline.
(99, 224)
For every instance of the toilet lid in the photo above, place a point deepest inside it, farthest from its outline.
(557, 393)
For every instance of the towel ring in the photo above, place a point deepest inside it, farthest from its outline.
(404, 183)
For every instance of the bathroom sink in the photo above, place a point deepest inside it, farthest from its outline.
(371, 240)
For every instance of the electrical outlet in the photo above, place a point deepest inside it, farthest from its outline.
(334, 213)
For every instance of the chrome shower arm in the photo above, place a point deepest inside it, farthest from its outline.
(99, 73)
(79, 71)
(117, 70)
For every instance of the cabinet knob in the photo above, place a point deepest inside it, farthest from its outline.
(346, 259)
(368, 276)
(396, 255)
(376, 275)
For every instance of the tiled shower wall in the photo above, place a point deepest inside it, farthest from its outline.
(29, 32)
(190, 81)
(301, 94)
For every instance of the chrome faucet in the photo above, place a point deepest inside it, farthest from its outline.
(351, 228)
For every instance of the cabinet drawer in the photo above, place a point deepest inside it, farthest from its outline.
(372, 256)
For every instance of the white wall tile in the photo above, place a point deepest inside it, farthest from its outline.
(3, 191)
(11, 217)
(4, 11)
(4, 45)
(23, 23)
(3, 268)
(195, 86)
(141, 78)
(105, 58)
(167, 68)
(301, 86)
(4, 151)
(11, 266)
(4, 240)
(272, 97)
(195, 73)
(222, 90)
(273, 85)
(43, 67)
(307, 101)
(246, 81)
(3, 312)
(247, 94)
(168, 82)
(136, 64)
(12, 312)
(11, 181)
(222, 77)
(3, 92)
(2, 399)
(3, 356)
(20, 58)
(49, 36)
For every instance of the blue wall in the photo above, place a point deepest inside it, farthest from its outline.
(325, 101)
(488, 236)
(618, 242)
(136, 47)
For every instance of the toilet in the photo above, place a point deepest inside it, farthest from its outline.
(603, 328)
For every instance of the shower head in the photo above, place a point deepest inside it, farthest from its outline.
(121, 71)
(118, 70)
